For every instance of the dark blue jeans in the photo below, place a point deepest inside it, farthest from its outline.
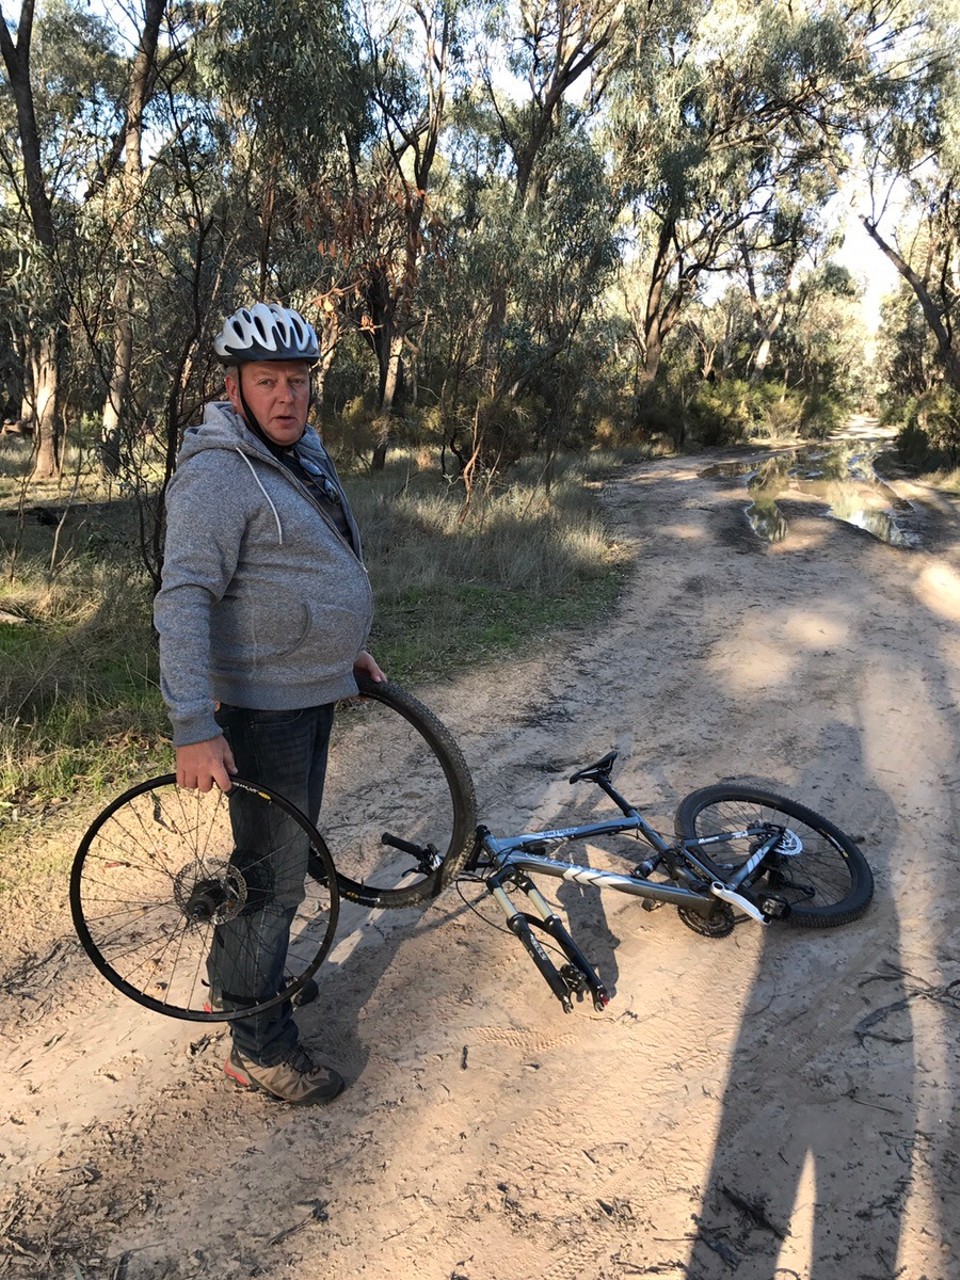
(287, 751)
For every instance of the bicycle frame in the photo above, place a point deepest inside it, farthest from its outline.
(513, 859)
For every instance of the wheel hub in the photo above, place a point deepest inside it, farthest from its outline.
(209, 892)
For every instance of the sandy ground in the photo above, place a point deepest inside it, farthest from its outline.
(780, 1103)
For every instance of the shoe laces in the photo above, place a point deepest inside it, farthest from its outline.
(300, 1060)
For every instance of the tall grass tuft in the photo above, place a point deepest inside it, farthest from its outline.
(78, 682)
(458, 584)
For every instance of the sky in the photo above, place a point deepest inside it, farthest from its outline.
(870, 266)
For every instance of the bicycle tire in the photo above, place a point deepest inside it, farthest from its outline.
(395, 768)
(828, 882)
(158, 874)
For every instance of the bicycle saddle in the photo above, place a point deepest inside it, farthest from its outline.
(601, 769)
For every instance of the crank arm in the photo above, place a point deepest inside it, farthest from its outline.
(738, 900)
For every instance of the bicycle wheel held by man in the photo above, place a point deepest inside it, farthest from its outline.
(263, 617)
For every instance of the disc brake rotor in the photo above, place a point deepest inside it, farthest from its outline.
(790, 845)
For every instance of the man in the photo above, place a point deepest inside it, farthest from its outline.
(263, 617)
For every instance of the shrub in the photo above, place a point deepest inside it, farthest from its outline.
(930, 435)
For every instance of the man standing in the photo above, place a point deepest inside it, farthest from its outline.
(263, 616)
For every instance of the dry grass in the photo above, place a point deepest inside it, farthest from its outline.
(455, 585)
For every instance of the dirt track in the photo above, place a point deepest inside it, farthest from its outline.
(779, 1103)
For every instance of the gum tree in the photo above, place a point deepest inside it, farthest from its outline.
(912, 159)
(121, 179)
(50, 136)
(716, 118)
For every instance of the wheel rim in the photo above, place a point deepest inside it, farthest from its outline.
(160, 885)
(810, 871)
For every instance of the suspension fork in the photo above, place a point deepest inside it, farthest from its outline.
(576, 976)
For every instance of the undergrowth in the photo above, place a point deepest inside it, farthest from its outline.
(456, 584)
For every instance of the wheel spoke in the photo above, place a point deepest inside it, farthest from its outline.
(814, 868)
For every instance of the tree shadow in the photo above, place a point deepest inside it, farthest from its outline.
(785, 1196)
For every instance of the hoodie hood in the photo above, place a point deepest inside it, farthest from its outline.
(223, 428)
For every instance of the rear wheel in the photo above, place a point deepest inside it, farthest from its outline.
(399, 814)
(165, 897)
(815, 868)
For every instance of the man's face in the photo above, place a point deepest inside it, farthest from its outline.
(278, 393)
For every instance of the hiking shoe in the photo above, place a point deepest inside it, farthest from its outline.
(306, 995)
(297, 1078)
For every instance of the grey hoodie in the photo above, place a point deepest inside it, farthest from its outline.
(263, 602)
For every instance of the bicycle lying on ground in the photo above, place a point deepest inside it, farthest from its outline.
(158, 872)
(737, 849)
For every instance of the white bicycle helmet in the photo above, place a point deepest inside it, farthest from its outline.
(266, 331)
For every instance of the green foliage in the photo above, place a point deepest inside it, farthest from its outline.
(911, 127)
(79, 686)
(917, 396)
(371, 165)
(734, 410)
(906, 351)
(725, 413)
(930, 435)
(275, 62)
(79, 81)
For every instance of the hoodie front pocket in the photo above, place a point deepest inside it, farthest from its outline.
(281, 631)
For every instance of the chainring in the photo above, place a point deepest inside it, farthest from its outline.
(719, 923)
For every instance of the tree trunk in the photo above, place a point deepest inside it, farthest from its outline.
(328, 324)
(44, 362)
(131, 187)
(114, 411)
(390, 400)
(652, 347)
(931, 312)
(28, 396)
(43, 343)
(768, 326)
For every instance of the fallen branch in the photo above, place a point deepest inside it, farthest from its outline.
(755, 1211)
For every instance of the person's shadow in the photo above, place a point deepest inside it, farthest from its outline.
(813, 1156)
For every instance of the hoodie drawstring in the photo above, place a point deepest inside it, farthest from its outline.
(265, 494)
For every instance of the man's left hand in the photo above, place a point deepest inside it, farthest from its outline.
(367, 665)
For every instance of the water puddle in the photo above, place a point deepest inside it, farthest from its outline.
(841, 474)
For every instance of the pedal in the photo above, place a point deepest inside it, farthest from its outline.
(773, 906)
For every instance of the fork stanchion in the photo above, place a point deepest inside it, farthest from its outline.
(519, 926)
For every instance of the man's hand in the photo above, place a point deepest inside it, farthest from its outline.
(201, 764)
(366, 665)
